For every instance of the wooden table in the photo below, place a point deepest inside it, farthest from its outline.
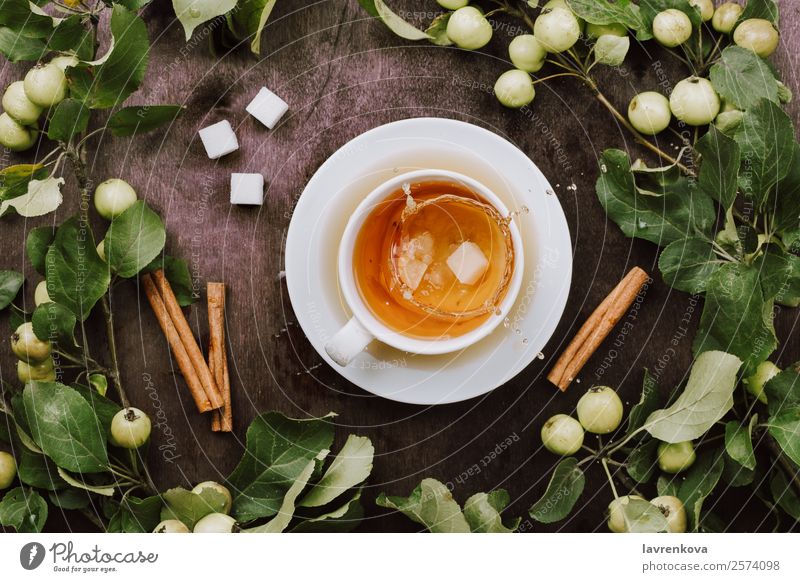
(342, 74)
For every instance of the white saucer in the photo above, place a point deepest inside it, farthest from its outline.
(353, 171)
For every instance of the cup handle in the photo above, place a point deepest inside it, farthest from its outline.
(348, 342)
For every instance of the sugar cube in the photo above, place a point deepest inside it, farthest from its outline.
(219, 139)
(247, 189)
(267, 107)
(468, 263)
(411, 272)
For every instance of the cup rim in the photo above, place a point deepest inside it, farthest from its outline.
(361, 310)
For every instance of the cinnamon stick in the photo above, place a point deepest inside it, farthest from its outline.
(222, 419)
(596, 328)
(184, 362)
(187, 338)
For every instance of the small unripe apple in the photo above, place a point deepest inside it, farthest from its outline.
(468, 28)
(527, 53)
(46, 85)
(598, 30)
(600, 410)
(706, 8)
(726, 16)
(41, 372)
(616, 517)
(15, 136)
(672, 27)
(676, 457)
(514, 89)
(8, 470)
(765, 372)
(18, 106)
(649, 113)
(171, 526)
(130, 428)
(216, 523)
(673, 511)
(694, 101)
(758, 35)
(27, 346)
(113, 197)
(557, 29)
(562, 435)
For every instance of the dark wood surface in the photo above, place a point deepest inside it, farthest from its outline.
(342, 74)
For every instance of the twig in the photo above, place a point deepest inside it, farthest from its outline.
(112, 348)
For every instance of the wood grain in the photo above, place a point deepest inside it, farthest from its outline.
(342, 74)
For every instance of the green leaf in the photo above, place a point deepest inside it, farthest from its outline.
(36, 470)
(682, 211)
(396, 23)
(65, 427)
(700, 481)
(135, 515)
(104, 490)
(36, 245)
(17, 47)
(109, 81)
(719, 169)
(779, 272)
(73, 35)
(99, 383)
(648, 402)
(784, 495)
(55, 323)
(735, 475)
(766, 139)
(130, 121)
(42, 197)
(707, 397)
(369, 6)
(70, 118)
(76, 275)
(193, 13)
(24, 510)
(104, 408)
(341, 519)
(286, 511)
(786, 430)
(739, 442)
(70, 498)
(743, 78)
(134, 239)
(351, 467)
(190, 507)
(437, 31)
(10, 284)
(785, 199)
(667, 486)
(736, 317)
(688, 264)
(277, 451)
(783, 391)
(483, 512)
(431, 505)
(14, 180)
(251, 17)
(18, 16)
(766, 9)
(179, 277)
(611, 50)
(564, 489)
(605, 12)
(641, 463)
(643, 517)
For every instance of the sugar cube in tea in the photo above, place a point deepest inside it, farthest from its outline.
(468, 263)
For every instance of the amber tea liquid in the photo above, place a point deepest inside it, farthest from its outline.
(400, 260)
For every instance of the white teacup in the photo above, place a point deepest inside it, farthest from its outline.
(364, 327)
